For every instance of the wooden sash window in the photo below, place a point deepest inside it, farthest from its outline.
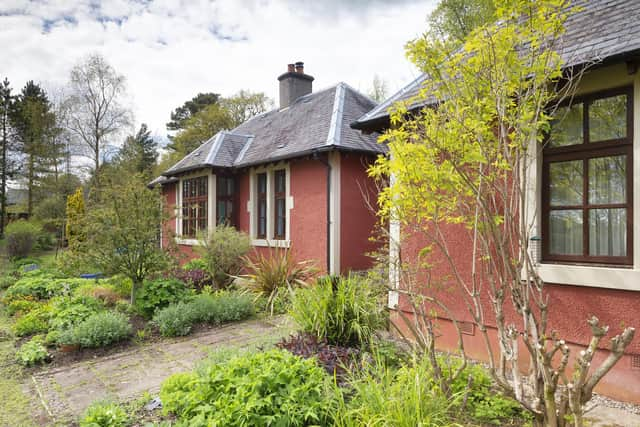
(280, 217)
(587, 194)
(194, 205)
(262, 205)
(225, 200)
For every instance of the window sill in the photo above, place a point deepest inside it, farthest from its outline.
(591, 276)
(271, 243)
(188, 242)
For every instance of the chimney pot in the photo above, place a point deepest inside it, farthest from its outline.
(294, 84)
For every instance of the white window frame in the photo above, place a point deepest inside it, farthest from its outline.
(623, 278)
(269, 241)
(211, 198)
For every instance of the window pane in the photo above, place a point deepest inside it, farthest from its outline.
(566, 128)
(608, 118)
(280, 217)
(566, 232)
(222, 212)
(607, 180)
(262, 218)
(608, 232)
(262, 183)
(565, 181)
(280, 181)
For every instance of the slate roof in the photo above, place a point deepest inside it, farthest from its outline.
(316, 122)
(602, 31)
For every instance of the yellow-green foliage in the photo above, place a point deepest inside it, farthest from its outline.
(492, 98)
(75, 213)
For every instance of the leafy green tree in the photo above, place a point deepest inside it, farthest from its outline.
(7, 104)
(75, 212)
(455, 19)
(245, 104)
(200, 127)
(466, 164)
(183, 113)
(139, 152)
(122, 232)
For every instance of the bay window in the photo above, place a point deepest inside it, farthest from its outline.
(587, 180)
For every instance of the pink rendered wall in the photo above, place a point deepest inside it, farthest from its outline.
(358, 221)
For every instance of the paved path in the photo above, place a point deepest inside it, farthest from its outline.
(68, 390)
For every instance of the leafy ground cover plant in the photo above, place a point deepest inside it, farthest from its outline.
(273, 275)
(32, 352)
(157, 294)
(194, 278)
(98, 330)
(223, 251)
(343, 310)
(105, 414)
(217, 308)
(42, 284)
(261, 389)
(34, 322)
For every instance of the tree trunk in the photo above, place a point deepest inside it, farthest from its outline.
(134, 290)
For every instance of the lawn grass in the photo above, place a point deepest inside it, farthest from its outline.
(16, 408)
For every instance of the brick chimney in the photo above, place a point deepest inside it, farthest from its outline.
(294, 84)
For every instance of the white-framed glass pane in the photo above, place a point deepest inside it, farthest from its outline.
(608, 180)
(566, 183)
(565, 232)
(567, 126)
(608, 232)
(608, 118)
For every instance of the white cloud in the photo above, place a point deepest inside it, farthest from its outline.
(171, 50)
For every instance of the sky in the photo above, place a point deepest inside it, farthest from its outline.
(170, 50)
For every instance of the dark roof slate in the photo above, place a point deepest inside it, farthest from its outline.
(599, 30)
(319, 121)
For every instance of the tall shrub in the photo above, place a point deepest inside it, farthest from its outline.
(75, 214)
(21, 237)
(222, 251)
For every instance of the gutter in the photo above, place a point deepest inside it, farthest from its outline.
(325, 162)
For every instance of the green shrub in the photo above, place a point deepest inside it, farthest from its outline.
(105, 414)
(175, 320)
(484, 404)
(7, 280)
(274, 275)
(273, 388)
(195, 264)
(223, 251)
(217, 308)
(34, 322)
(32, 352)
(98, 330)
(21, 235)
(157, 294)
(342, 310)
(221, 307)
(69, 311)
(42, 285)
(22, 305)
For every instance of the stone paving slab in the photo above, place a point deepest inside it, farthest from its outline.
(67, 391)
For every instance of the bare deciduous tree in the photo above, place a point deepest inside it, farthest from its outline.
(96, 114)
